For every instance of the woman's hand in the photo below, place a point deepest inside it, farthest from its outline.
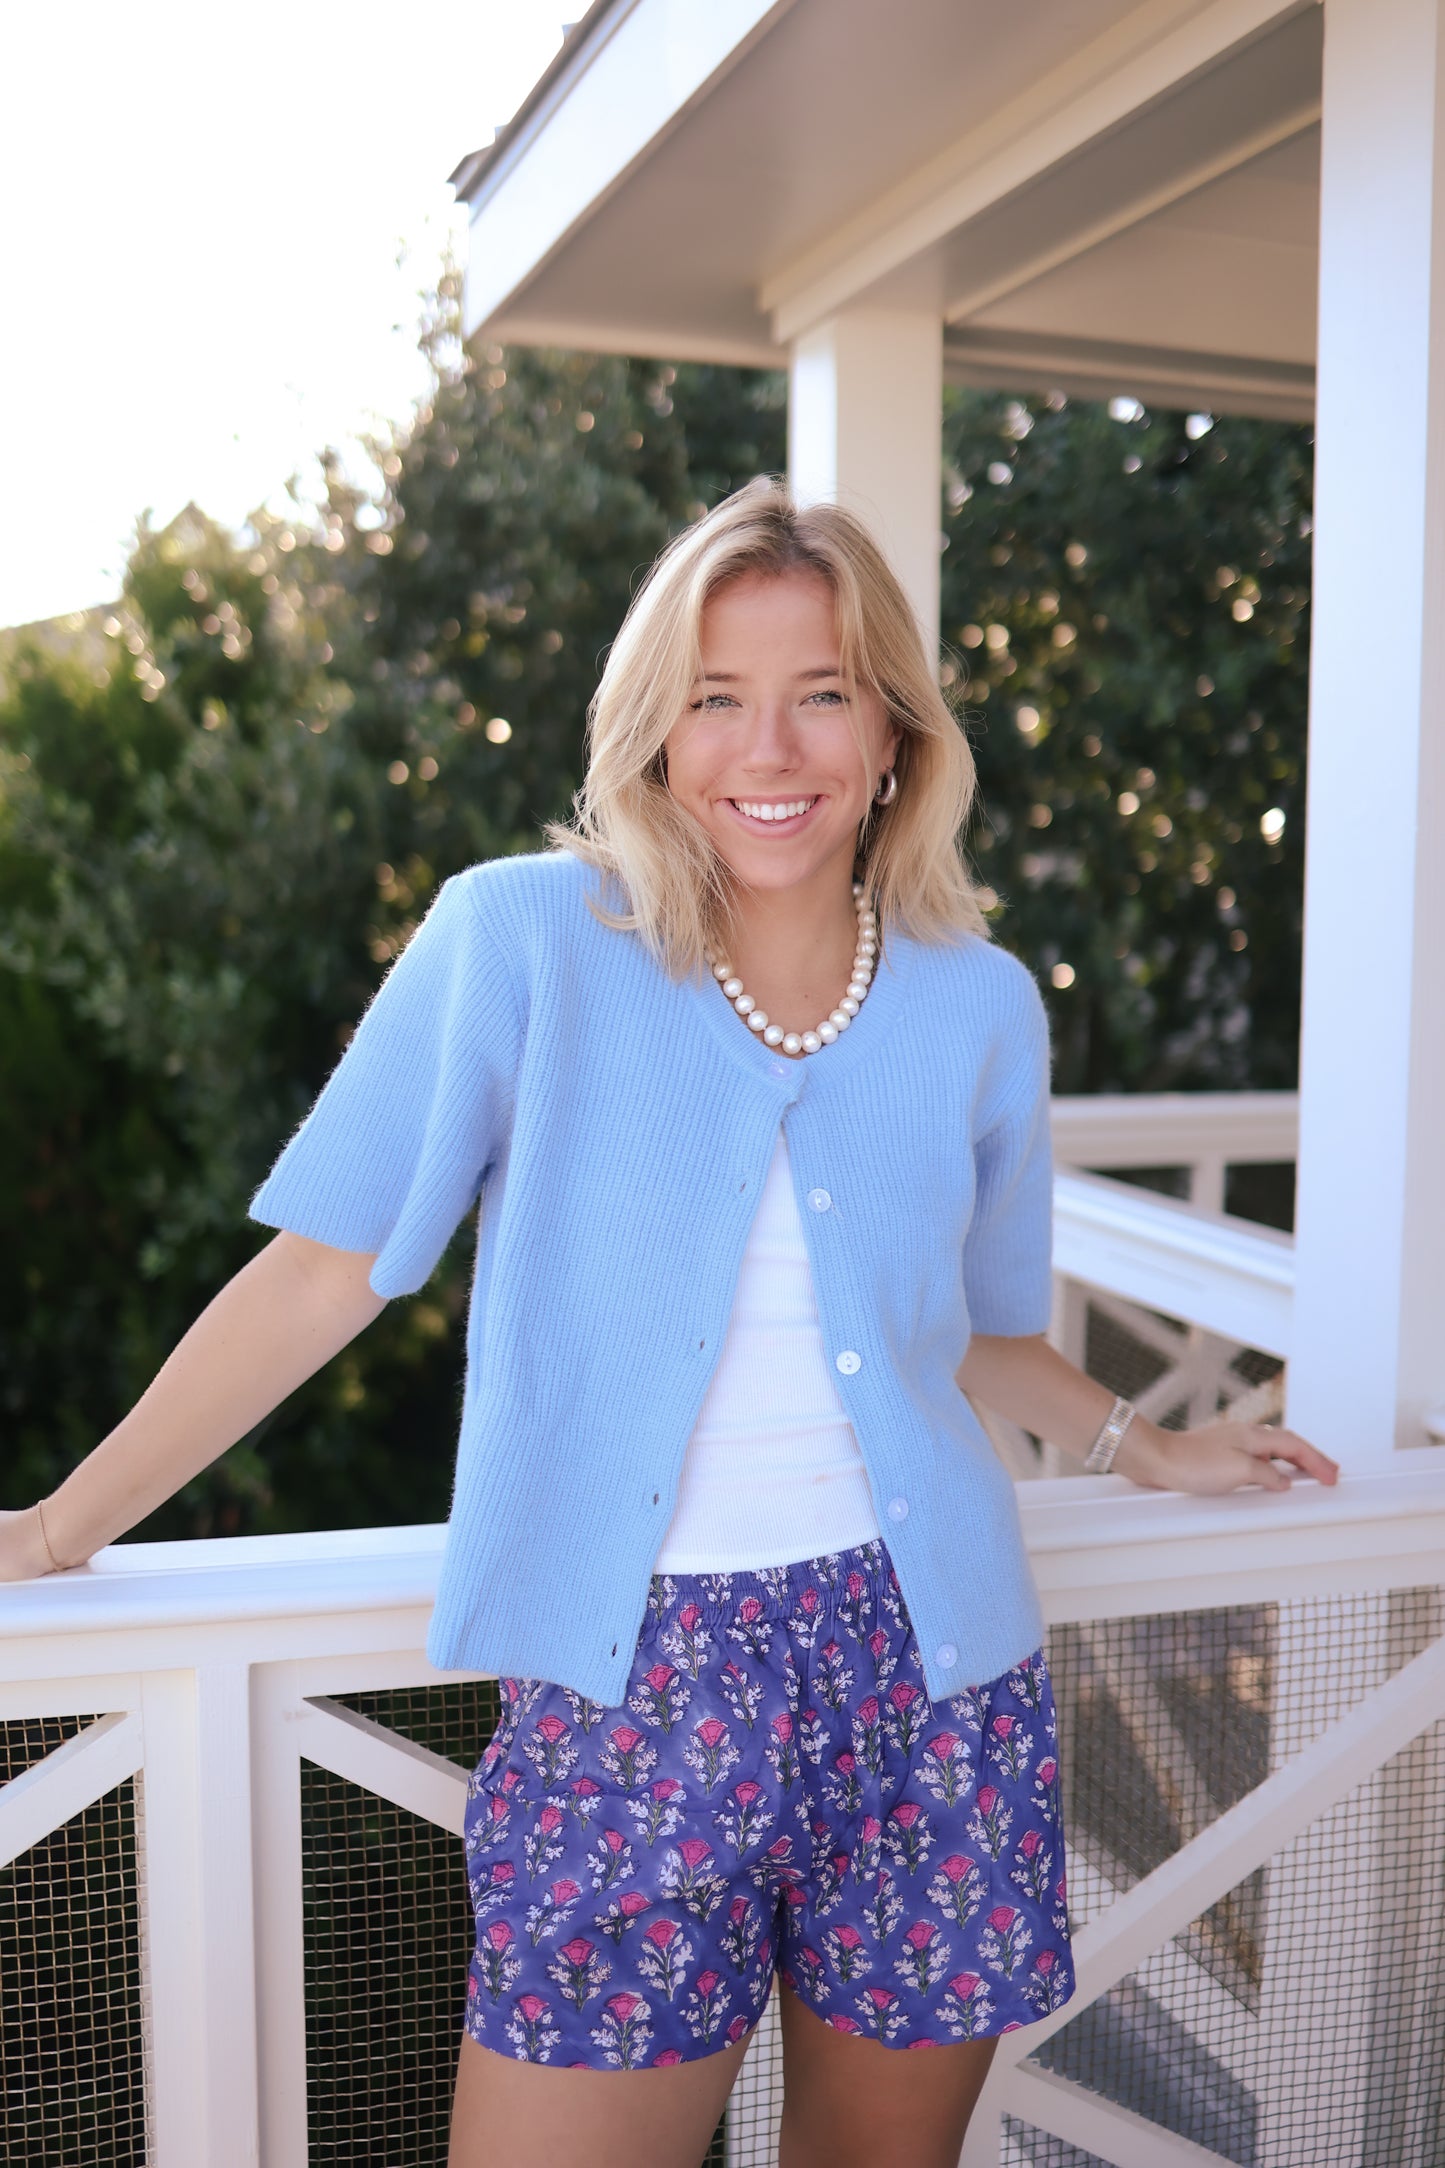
(1218, 1457)
(23, 1556)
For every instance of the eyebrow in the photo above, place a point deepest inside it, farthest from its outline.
(731, 677)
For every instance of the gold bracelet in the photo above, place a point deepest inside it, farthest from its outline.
(55, 1565)
(1100, 1458)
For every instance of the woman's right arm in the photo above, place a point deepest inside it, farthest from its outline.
(270, 1328)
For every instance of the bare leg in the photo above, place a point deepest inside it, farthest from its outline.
(510, 2114)
(853, 2103)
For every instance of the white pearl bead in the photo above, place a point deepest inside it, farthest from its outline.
(732, 988)
(722, 971)
(857, 989)
(849, 1006)
(811, 1042)
(744, 1004)
(840, 1019)
(828, 1032)
(757, 1020)
(857, 888)
(792, 1043)
(773, 1036)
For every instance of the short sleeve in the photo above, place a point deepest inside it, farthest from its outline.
(398, 1143)
(1008, 1250)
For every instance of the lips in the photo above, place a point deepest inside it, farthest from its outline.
(772, 812)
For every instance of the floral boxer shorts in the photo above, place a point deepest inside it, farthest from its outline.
(778, 1792)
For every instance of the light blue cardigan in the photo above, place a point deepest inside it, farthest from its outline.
(618, 1125)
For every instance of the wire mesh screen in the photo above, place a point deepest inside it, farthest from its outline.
(388, 1933)
(388, 1927)
(72, 2030)
(1300, 2023)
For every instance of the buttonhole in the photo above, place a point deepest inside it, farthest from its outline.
(702, 1343)
(655, 1496)
(614, 1648)
(741, 1187)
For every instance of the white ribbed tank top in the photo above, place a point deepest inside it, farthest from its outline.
(773, 1472)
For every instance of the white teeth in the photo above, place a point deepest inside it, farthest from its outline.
(773, 812)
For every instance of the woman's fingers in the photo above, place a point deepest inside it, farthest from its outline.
(1285, 1445)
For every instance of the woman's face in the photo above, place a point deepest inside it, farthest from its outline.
(766, 755)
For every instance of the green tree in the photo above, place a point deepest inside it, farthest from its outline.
(1127, 604)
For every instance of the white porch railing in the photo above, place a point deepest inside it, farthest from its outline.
(232, 1770)
(212, 1676)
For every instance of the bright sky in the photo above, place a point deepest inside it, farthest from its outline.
(201, 211)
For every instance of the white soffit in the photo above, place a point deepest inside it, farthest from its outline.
(1105, 185)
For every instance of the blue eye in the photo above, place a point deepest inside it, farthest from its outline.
(830, 694)
(710, 701)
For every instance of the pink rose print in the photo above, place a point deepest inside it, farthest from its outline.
(580, 1971)
(552, 1910)
(1005, 1940)
(1009, 1746)
(531, 2031)
(966, 2009)
(628, 1757)
(957, 1888)
(667, 2057)
(623, 1912)
(663, 1956)
(845, 1952)
(550, 1750)
(707, 2004)
(689, 1876)
(991, 1820)
(946, 1767)
(610, 1859)
(623, 2032)
(868, 1735)
(710, 1751)
(658, 1813)
(745, 1815)
(907, 1837)
(882, 2012)
(743, 1695)
(494, 1966)
(925, 1956)
(660, 1697)
(906, 1708)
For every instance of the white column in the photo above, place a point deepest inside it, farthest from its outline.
(1369, 1353)
(865, 421)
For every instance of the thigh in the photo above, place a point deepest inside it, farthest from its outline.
(851, 2102)
(514, 2114)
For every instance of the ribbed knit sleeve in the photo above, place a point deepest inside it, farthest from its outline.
(397, 1145)
(1007, 1252)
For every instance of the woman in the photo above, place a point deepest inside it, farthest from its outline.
(758, 1120)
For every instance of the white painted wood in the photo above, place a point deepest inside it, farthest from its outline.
(199, 1930)
(1231, 1277)
(865, 427)
(1071, 2112)
(628, 85)
(1174, 1129)
(384, 1762)
(1369, 1355)
(1163, 1903)
(1299, 1931)
(67, 1781)
(1135, 62)
(280, 1944)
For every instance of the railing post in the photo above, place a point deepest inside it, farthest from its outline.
(198, 1930)
(1368, 1363)
(865, 429)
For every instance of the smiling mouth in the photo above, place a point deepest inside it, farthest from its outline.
(773, 811)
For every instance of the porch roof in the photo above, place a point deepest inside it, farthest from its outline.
(1099, 197)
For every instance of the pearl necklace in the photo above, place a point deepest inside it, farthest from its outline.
(865, 958)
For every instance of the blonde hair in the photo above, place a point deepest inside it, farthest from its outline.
(672, 886)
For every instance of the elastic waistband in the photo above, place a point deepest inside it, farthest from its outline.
(812, 1585)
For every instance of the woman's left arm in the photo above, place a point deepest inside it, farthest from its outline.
(1028, 1381)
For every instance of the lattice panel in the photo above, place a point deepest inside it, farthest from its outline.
(1301, 2022)
(72, 2018)
(389, 1930)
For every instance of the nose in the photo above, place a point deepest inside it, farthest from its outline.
(772, 739)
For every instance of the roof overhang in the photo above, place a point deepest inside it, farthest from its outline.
(1098, 198)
